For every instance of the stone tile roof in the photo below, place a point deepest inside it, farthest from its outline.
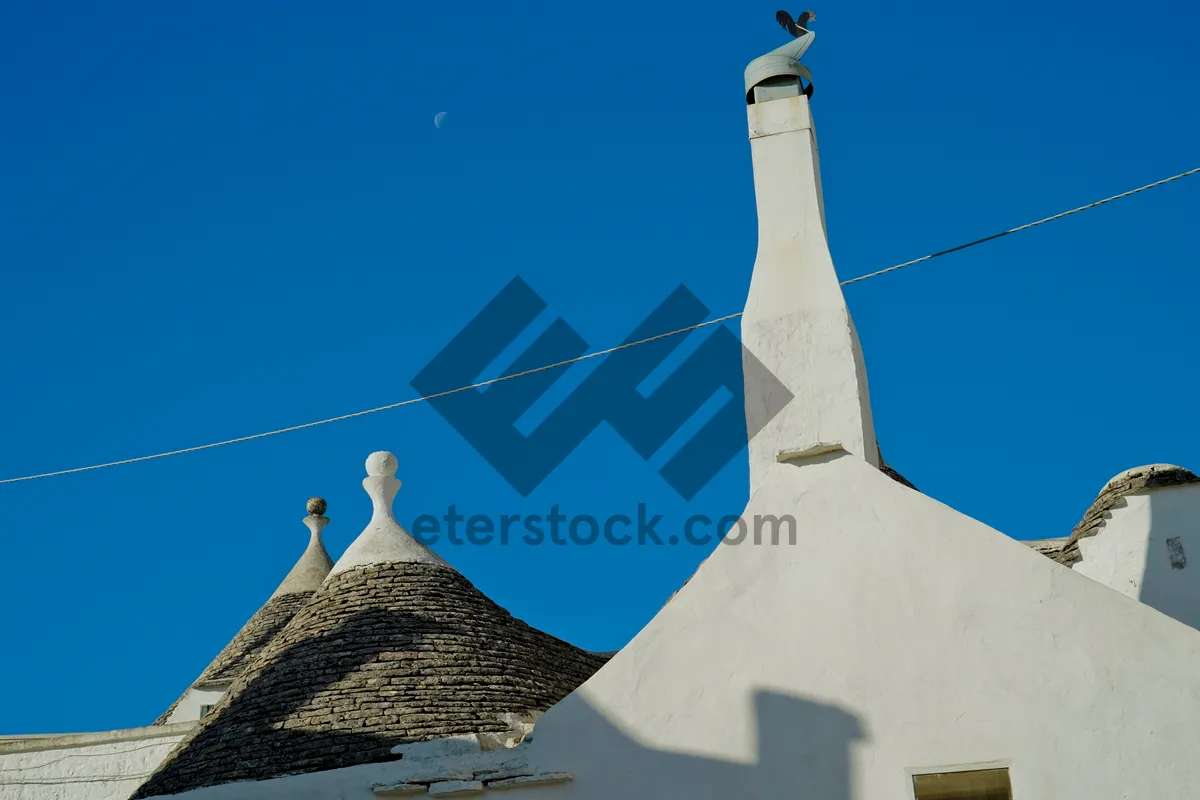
(1050, 548)
(266, 623)
(896, 476)
(1110, 497)
(383, 655)
(886, 469)
(251, 639)
(293, 593)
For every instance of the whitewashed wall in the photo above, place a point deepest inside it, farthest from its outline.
(1131, 553)
(898, 636)
(90, 766)
(193, 702)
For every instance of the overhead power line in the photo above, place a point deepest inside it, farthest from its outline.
(586, 356)
(1020, 228)
(408, 402)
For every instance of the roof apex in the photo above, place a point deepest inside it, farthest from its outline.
(311, 570)
(384, 540)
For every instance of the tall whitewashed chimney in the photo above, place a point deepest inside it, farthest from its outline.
(796, 322)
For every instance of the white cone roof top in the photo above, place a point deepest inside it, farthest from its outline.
(383, 541)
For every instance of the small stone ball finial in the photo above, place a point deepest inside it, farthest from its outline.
(381, 465)
(317, 506)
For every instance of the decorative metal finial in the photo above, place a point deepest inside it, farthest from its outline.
(779, 73)
(317, 506)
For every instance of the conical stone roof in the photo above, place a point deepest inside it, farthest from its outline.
(397, 647)
(295, 591)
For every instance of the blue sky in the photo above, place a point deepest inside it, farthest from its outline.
(220, 219)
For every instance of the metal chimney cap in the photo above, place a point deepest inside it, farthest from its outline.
(772, 65)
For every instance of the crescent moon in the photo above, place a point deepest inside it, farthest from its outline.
(437, 120)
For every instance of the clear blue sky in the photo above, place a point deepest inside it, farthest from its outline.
(223, 218)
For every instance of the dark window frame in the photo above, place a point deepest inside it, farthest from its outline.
(975, 783)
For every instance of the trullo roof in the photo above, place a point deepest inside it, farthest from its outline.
(295, 591)
(397, 647)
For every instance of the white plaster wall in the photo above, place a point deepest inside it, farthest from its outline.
(1130, 553)
(897, 636)
(1116, 556)
(83, 766)
(1174, 513)
(188, 709)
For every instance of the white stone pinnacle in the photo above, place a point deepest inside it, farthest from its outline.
(383, 541)
(314, 565)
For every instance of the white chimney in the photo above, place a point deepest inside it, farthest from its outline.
(796, 321)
